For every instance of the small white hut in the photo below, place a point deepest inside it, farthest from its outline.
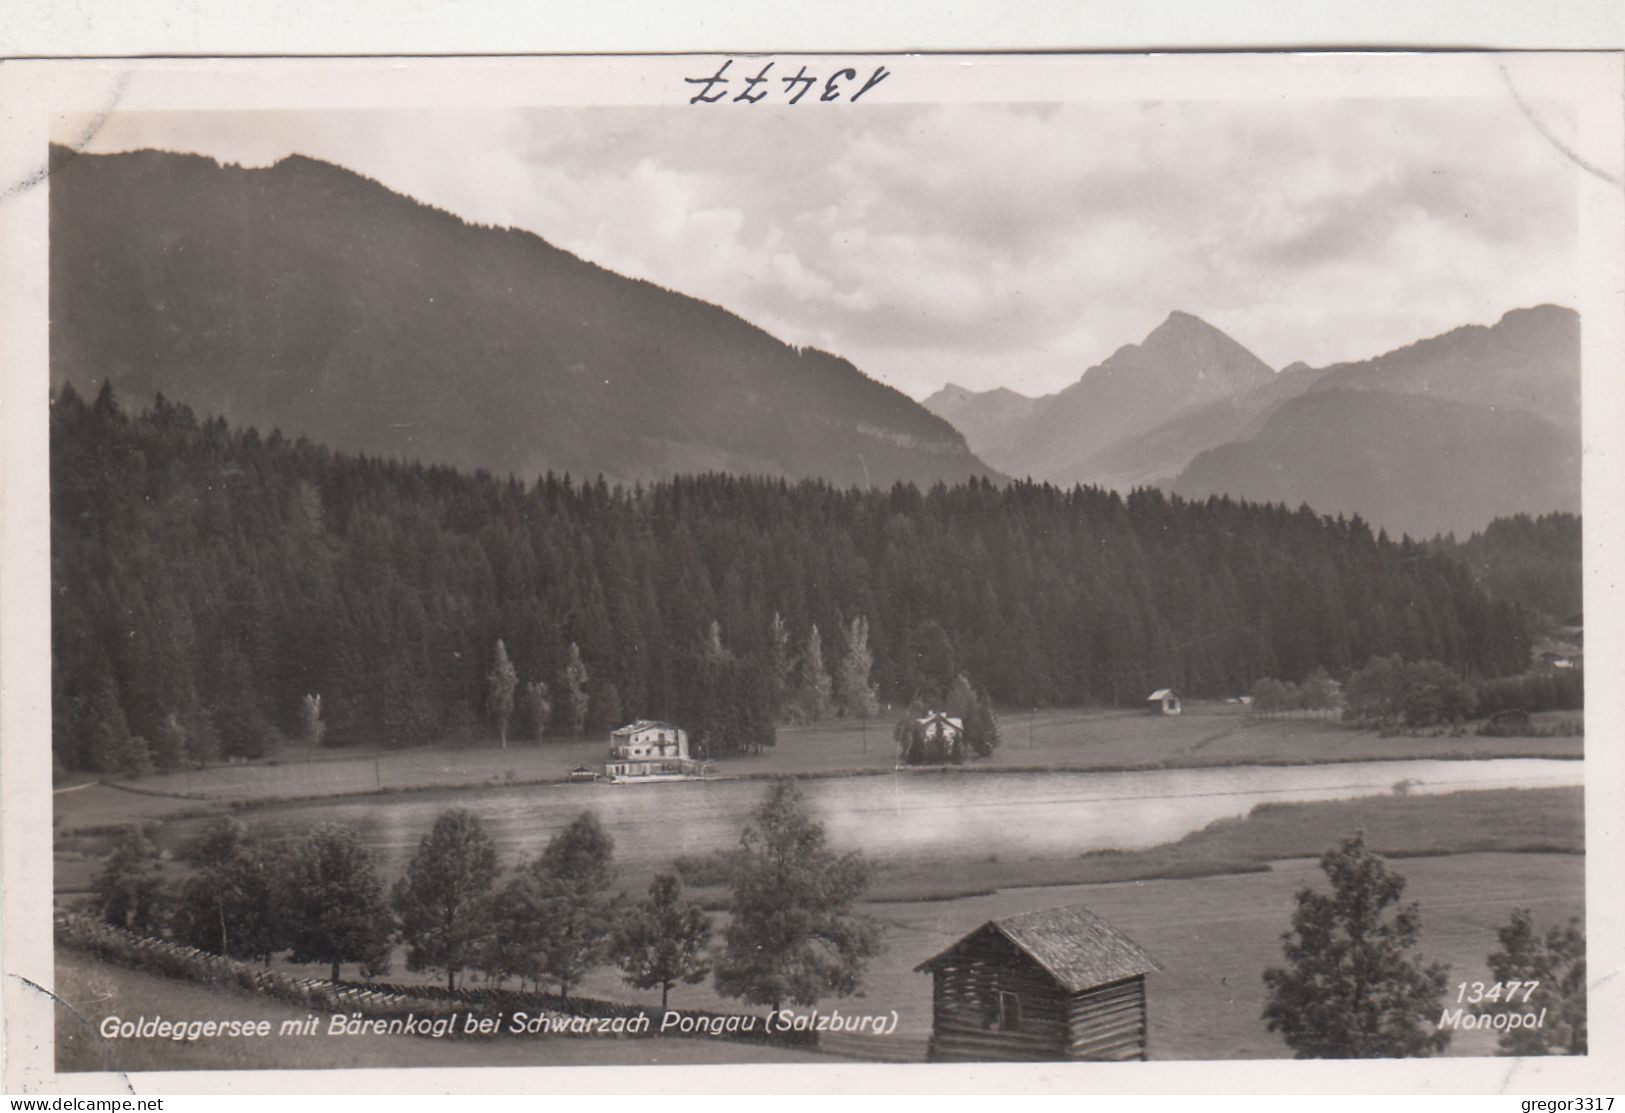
(1164, 701)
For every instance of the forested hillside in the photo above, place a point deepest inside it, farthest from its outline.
(305, 297)
(1537, 562)
(207, 579)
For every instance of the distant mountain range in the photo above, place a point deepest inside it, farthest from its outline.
(308, 298)
(1441, 435)
(1091, 431)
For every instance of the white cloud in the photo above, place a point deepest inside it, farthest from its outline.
(991, 245)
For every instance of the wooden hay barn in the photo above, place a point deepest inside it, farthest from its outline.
(1052, 985)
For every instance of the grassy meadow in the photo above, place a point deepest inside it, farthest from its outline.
(1209, 905)
(87, 988)
(1213, 936)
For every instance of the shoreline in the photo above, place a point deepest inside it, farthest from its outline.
(254, 804)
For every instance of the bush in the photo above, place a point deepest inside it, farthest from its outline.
(702, 870)
(1421, 693)
(1562, 690)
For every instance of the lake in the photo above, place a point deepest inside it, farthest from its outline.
(904, 814)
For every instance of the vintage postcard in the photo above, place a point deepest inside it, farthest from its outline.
(1081, 569)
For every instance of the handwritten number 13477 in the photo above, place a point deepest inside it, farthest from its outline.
(753, 89)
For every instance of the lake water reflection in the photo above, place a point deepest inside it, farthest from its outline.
(914, 814)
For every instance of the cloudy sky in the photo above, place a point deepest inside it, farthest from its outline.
(992, 245)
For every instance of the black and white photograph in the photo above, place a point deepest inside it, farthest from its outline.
(799, 559)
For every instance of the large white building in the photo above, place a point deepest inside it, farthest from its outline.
(647, 749)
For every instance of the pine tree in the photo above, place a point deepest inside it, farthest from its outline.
(934, 669)
(982, 729)
(381, 585)
(111, 746)
(443, 898)
(663, 940)
(500, 683)
(910, 736)
(974, 710)
(202, 743)
(854, 691)
(606, 706)
(1352, 989)
(793, 935)
(334, 902)
(712, 712)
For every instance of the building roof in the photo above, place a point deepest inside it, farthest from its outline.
(943, 717)
(1076, 947)
(1161, 693)
(644, 724)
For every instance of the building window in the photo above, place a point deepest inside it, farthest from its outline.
(1009, 1012)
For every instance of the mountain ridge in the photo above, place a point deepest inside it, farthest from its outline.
(1182, 364)
(1444, 434)
(307, 297)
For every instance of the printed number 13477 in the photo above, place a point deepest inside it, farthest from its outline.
(1472, 993)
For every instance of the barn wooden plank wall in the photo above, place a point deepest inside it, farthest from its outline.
(1101, 1022)
(1108, 1021)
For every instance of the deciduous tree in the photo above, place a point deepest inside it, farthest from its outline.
(813, 697)
(169, 748)
(335, 902)
(1351, 988)
(538, 706)
(313, 729)
(129, 891)
(575, 689)
(781, 666)
(443, 899)
(1557, 961)
(664, 939)
(237, 903)
(854, 691)
(793, 935)
(500, 683)
(579, 906)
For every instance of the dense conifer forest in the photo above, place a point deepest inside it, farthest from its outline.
(1536, 561)
(207, 579)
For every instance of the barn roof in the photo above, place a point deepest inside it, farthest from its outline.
(1159, 694)
(1076, 947)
